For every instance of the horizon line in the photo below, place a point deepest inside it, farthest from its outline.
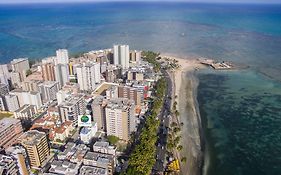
(138, 1)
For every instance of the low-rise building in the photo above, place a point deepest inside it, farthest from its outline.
(79, 154)
(91, 170)
(87, 133)
(62, 132)
(64, 167)
(104, 147)
(70, 149)
(100, 160)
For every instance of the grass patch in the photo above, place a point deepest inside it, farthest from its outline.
(4, 115)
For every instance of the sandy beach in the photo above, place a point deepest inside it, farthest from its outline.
(185, 87)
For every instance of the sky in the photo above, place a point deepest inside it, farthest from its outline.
(57, 1)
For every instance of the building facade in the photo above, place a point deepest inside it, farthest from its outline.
(120, 118)
(37, 147)
(62, 74)
(48, 90)
(88, 75)
(73, 106)
(48, 72)
(62, 56)
(121, 55)
(20, 65)
(10, 130)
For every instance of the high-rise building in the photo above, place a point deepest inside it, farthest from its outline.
(121, 55)
(31, 85)
(11, 102)
(20, 65)
(4, 70)
(18, 153)
(71, 107)
(98, 108)
(28, 97)
(120, 118)
(15, 79)
(48, 90)
(4, 74)
(48, 72)
(135, 56)
(88, 75)
(37, 147)
(8, 165)
(62, 56)
(62, 74)
(10, 130)
(49, 60)
(130, 93)
(4, 90)
(112, 92)
(113, 73)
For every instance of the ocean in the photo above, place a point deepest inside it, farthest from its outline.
(240, 109)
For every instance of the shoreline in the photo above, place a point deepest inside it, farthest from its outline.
(185, 82)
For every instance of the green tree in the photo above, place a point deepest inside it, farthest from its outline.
(28, 72)
(180, 147)
(112, 139)
(177, 113)
(174, 124)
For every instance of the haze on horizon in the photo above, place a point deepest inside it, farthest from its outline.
(201, 1)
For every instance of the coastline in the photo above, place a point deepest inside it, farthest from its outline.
(185, 85)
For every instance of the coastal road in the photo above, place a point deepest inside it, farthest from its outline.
(159, 166)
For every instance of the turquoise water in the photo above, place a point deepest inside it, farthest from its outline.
(241, 110)
(249, 34)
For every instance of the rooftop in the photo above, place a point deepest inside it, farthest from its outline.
(6, 122)
(91, 170)
(72, 100)
(18, 60)
(25, 108)
(32, 137)
(99, 157)
(120, 103)
(5, 160)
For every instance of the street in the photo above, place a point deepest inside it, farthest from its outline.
(163, 129)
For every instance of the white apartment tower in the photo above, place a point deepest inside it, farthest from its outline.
(62, 56)
(62, 74)
(48, 90)
(121, 55)
(120, 118)
(88, 75)
(12, 102)
(20, 65)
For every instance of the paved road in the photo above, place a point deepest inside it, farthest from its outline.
(159, 166)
